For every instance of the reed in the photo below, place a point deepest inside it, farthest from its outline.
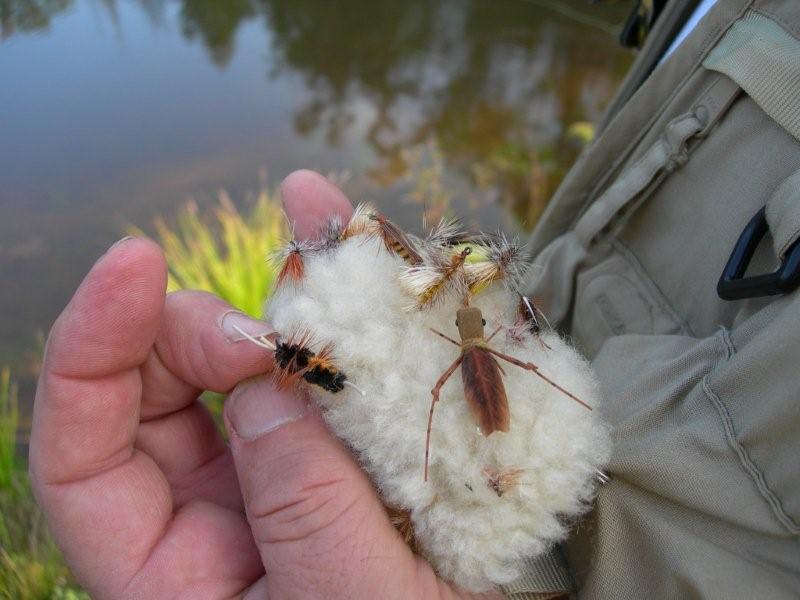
(226, 255)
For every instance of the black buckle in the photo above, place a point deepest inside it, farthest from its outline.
(640, 22)
(734, 286)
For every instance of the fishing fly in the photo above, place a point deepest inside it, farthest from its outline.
(395, 240)
(482, 376)
(428, 283)
(294, 359)
(292, 260)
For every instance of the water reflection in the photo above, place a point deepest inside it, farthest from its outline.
(25, 16)
(118, 111)
(493, 83)
(215, 23)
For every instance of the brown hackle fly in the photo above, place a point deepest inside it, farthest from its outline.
(331, 234)
(505, 261)
(502, 480)
(528, 322)
(395, 240)
(292, 260)
(481, 376)
(360, 222)
(446, 234)
(401, 520)
(428, 283)
(294, 360)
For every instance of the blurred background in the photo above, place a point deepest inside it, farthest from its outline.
(178, 119)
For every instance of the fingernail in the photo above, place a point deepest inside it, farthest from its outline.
(127, 238)
(234, 322)
(257, 408)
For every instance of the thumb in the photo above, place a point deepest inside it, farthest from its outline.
(320, 528)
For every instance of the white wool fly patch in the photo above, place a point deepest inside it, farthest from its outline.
(512, 452)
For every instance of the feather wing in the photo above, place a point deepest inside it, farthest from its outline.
(447, 233)
(484, 390)
(360, 222)
(396, 241)
(428, 283)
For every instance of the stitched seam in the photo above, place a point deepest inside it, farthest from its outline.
(727, 342)
(788, 27)
(747, 463)
(655, 292)
(709, 42)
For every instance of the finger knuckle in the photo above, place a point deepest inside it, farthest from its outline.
(317, 504)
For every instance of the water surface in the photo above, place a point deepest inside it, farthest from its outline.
(112, 112)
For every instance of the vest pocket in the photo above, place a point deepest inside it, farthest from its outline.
(755, 393)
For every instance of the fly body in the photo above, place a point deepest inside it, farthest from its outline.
(481, 375)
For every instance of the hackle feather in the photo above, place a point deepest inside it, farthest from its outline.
(446, 233)
(506, 261)
(428, 283)
(484, 390)
(292, 260)
(502, 480)
(361, 221)
(395, 240)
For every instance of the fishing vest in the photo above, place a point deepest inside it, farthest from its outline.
(702, 393)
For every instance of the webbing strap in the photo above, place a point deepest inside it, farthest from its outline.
(783, 214)
(668, 153)
(544, 577)
(764, 59)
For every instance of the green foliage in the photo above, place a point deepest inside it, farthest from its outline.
(9, 421)
(228, 257)
(31, 567)
(24, 577)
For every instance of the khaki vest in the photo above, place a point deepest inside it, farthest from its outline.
(703, 394)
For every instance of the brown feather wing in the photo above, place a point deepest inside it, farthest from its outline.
(398, 242)
(484, 390)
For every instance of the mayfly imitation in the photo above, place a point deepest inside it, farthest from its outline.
(482, 376)
(395, 240)
(294, 359)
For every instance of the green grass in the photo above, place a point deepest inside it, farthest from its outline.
(225, 253)
(31, 567)
(227, 256)
(9, 422)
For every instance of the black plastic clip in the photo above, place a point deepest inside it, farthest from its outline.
(733, 285)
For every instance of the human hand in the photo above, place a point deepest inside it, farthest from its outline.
(141, 492)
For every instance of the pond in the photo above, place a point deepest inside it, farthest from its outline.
(113, 112)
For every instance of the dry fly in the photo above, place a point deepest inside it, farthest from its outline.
(294, 359)
(481, 376)
(292, 260)
(361, 221)
(502, 481)
(395, 240)
(505, 261)
(401, 519)
(428, 282)
(332, 233)
(447, 233)
(527, 323)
